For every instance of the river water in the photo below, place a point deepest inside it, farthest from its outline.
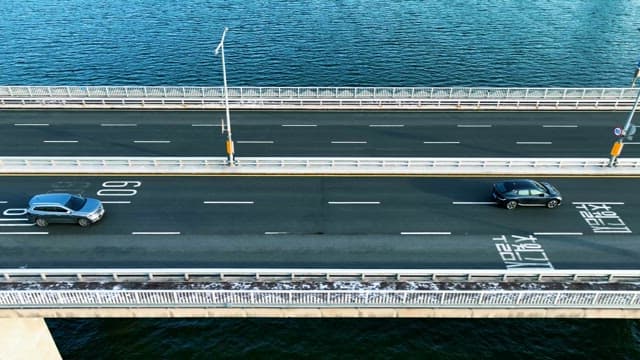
(504, 43)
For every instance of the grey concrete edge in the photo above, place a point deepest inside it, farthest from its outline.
(287, 107)
(325, 312)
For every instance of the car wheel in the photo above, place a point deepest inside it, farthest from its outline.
(84, 222)
(41, 222)
(553, 203)
(512, 204)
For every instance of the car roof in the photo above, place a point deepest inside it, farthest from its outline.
(50, 198)
(520, 184)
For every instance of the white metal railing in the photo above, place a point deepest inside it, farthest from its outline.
(318, 165)
(166, 295)
(317, 97)
(320, 298)
(300, 274)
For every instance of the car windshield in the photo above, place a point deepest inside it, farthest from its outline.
(75, 203)
(540, 187)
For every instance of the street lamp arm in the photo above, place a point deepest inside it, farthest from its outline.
(221, 44)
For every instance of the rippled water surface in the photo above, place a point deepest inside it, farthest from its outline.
(320, 42)
(572, 43)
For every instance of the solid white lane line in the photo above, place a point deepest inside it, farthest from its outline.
(597, 202)
(473, 126)
(559, 126)
(441, 142)
(386, 125)
(425, 233)
(348, 142)
(299, 125)
(32, 224)
(275, 232)
(227, 202)
(151, 141)
(474, 203)
(24, 233)
(533, 142)
(118, 124)
(218, 125)
(61, 141)
(556, 233)
(31, 124)
(354, 202)
(155, 233)
(255, 142)
(116, 202)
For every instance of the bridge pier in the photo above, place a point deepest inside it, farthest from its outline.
(26, 338)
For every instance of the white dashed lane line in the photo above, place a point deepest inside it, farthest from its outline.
(229, 202)
(211, 125)
(386, 125)
(151, 141)
(474, 203)
(3, 202)
(31, 124)
(116, 125)
(425, 233)
(557, 233)
(533, 142)
(15, 222)
(348, 142)
(24, 233)
(354, 202)
(61, 141)
(474, 126)
(275, 232)
(255, 141)
(155, 233)
(559, 126)
(116, 202)
(299, 125)
(441, 142)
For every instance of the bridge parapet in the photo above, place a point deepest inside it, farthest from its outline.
(319, 165)
(339, 98)
(52, 292)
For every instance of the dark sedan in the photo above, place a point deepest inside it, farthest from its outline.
(525, 192)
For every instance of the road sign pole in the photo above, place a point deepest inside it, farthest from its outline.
(616, 150)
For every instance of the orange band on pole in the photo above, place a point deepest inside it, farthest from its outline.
(616, 149)
(229, 147)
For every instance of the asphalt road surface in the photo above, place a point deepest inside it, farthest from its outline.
(332, 222)
(320, 133)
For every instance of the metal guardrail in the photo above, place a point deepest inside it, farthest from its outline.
(319, 165)
(317, 97)
(118, 296)
(318, 298)
(270, 275)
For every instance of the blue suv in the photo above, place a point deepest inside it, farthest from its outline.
(64, 208)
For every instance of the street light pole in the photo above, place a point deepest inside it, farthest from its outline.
(629, 129)
(230, 149)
